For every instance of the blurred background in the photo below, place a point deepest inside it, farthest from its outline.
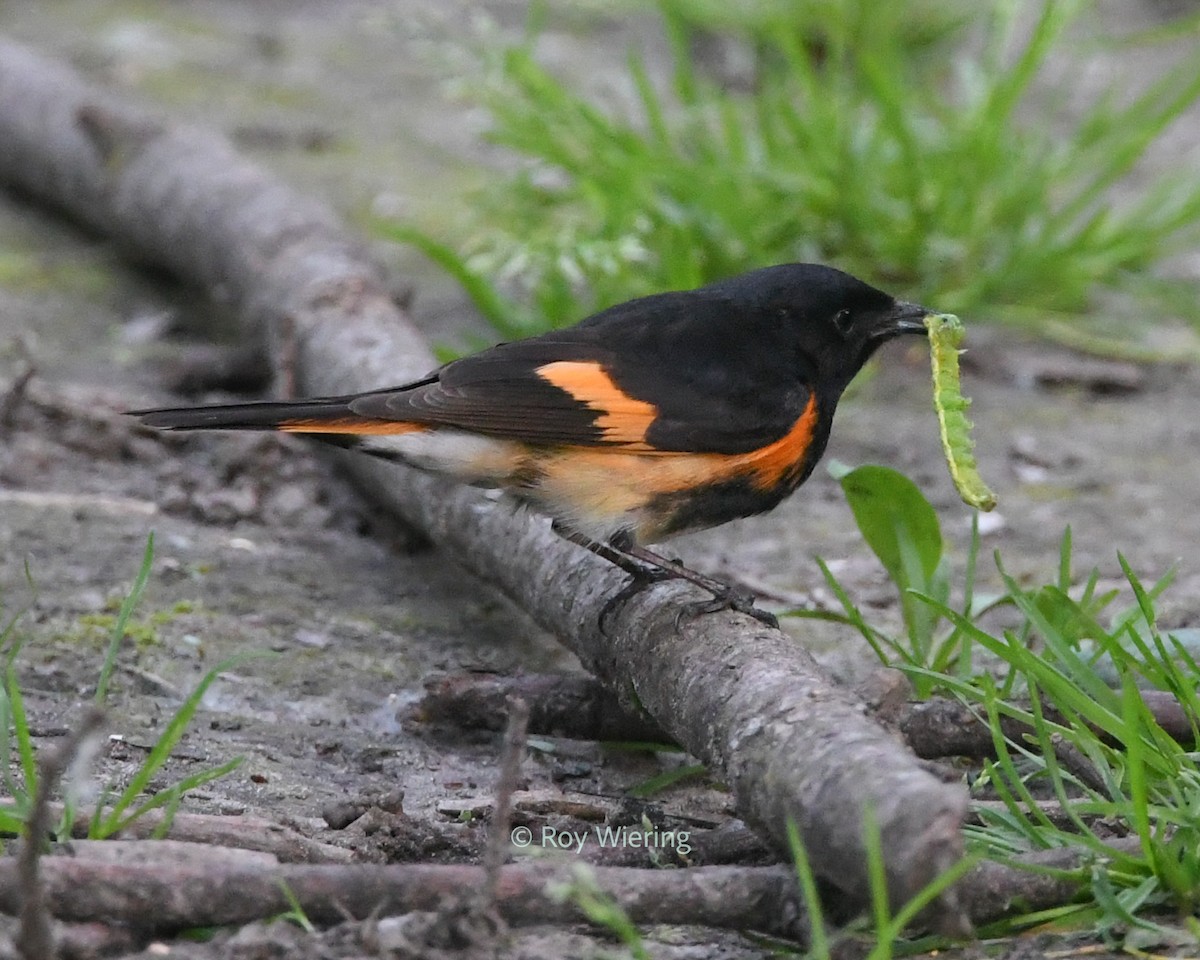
(1031, 163)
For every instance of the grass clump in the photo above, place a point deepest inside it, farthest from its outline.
(933, 167)
(1092, 769)
(117, 808)
(881, 935)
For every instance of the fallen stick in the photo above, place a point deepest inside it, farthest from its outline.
(583, 708)
(92, 941)
(732, 844)
(992, 890)
(238, 832)
(563, 705)
(948, 728)
(746, 700)
(160, 899)
(499, 842)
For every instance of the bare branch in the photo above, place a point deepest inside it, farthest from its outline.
(35, 940)
(238, 832)
(158, 898)
(563, 705)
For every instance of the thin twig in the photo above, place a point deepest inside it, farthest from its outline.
(240, 832)
(947, 728)
(510, 771)
(35, 940)
(1071, 759)
(160, 898)
(14, 396)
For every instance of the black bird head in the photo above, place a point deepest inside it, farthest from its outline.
(835, 321)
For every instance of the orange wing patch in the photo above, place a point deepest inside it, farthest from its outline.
(352, 425)
(622, 419)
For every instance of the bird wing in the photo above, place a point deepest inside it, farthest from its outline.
(671, 373)
(624, 386)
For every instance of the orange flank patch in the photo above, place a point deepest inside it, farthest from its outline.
(353, 425)
(770, 465)
(601, 491)
(622, 418)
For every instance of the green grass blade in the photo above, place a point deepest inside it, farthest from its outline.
(1054, 772)
(161, 751)
(875, 640)
(956, 639)
(818, 946)
(652, 105)
(296, 912)
(171, 798)
(1064, 561)
(9, 641)
(1089, 695)
(909, 912)
(26, 756)
(118, 632)
(877, 884)
(1144, 600)
(11, 786)
(663, 781)
(12, 821)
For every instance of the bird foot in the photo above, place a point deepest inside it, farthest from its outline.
(646, 568)
(738, 600)
(725, 596)
(640, 579)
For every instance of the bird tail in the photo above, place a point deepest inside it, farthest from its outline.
(331, 415)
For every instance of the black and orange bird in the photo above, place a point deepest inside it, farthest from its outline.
(666, 414)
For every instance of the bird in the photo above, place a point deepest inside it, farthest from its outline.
(662, 415)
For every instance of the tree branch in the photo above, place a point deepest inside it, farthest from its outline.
(161, 898)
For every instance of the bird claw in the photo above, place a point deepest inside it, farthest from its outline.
(640, 580)
(725, 597)
(646, 568)
(740, 601)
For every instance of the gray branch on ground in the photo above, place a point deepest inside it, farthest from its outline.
(564, 705)
(236, 831)
(36, 940)
(582, 708)
(185, 896)
(160, 888)
(746, 700)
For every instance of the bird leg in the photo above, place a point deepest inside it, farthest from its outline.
(612, 553)
(726, 596)
(647, 567)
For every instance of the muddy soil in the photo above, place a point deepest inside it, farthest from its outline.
(263, 552)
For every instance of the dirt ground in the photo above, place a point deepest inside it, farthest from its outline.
(262, 548)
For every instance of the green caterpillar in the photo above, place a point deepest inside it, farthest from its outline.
(945, 334)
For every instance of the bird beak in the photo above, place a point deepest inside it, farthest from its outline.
(909, 318)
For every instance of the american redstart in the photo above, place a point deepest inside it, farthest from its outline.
(665, 414)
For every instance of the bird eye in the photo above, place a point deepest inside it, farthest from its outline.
(843, 320)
